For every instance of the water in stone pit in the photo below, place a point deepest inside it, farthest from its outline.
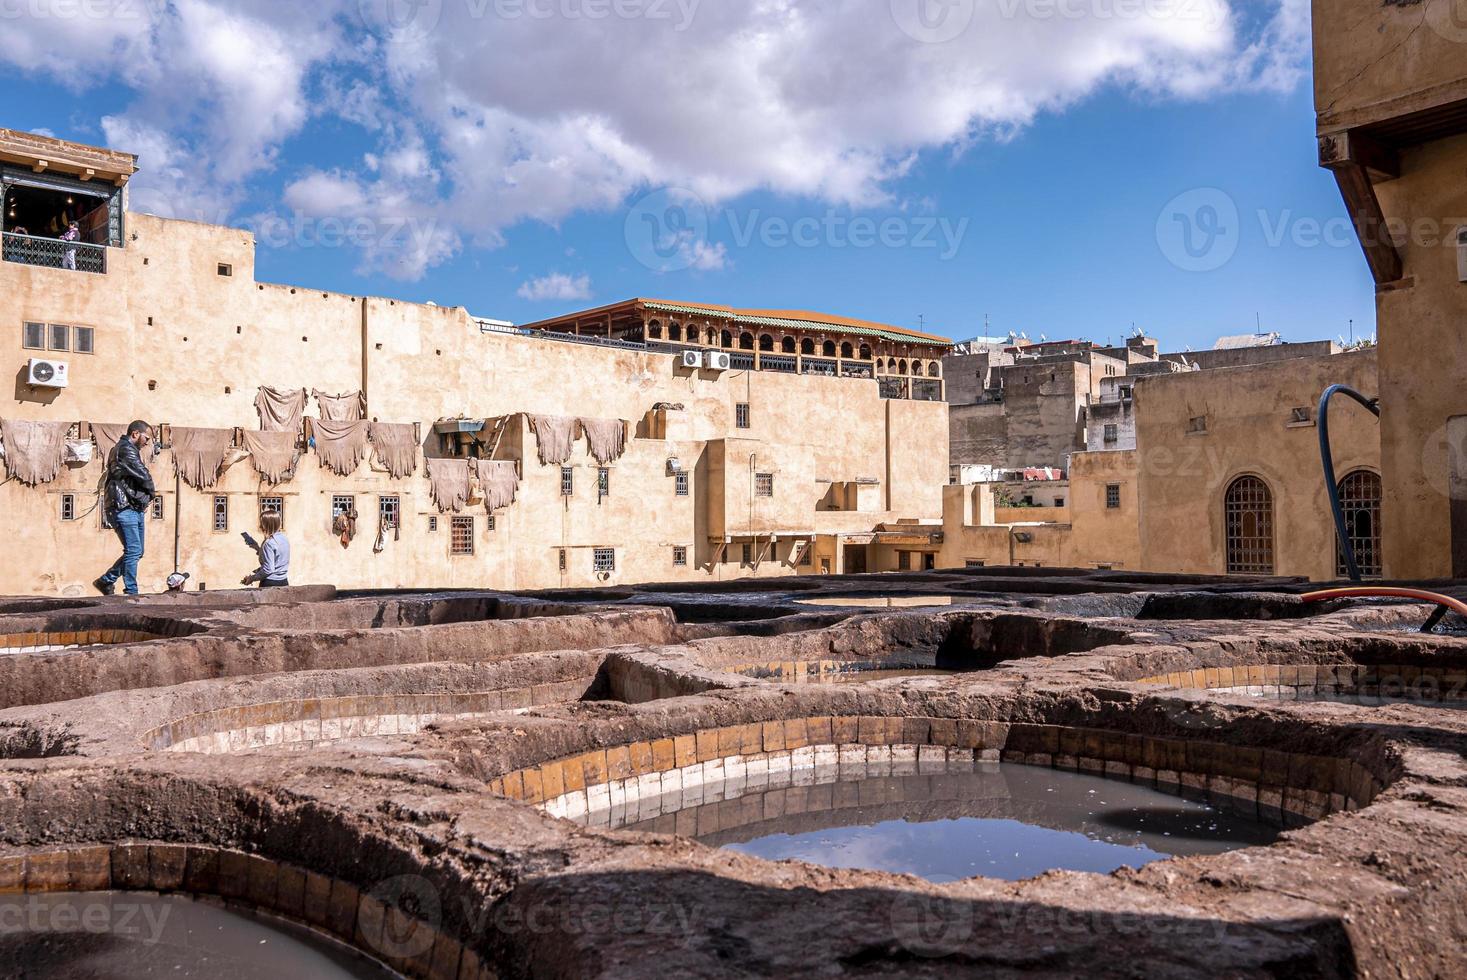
(881, 602)
(862, 676)
(132, 936)
(999, 821)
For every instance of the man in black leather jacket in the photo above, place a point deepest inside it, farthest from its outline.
(128, 494)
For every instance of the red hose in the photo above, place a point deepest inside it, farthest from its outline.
(1361, 592)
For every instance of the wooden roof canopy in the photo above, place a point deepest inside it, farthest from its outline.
(46, 154)
(636, 309)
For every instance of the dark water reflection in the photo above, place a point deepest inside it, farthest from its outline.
(133, 936)
(1000, 821)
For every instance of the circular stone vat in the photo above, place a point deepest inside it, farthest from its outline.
(1371, 686)
(126, 935)
(881, 601)
(49, 642)
(837, 671)
(999, 820)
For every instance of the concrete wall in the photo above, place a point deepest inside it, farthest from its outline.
(1245, 356)
(979, 434)
(1183, 476)
(176, 342)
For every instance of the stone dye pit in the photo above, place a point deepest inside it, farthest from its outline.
(1073, 773)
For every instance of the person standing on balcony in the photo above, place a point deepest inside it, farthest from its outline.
(128, 495)
(71, 236)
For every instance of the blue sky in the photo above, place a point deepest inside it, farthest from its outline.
(1062, 176)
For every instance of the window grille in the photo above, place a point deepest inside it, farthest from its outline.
(741, 415)
(60, 337)
(1248, 514)
(389, 511)
(462, 541)
(1113, 496)
(275, 505)
(68, 506)
(679, 557)
(33, 336)
(904, 561)
(603, 481)
(603, 560)
(567, 481)
(84, 337)
(1360, 500)
(764, 484)
(157, 508)
(682, 484)
(221, 513)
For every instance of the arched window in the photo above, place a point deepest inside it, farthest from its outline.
(674, 331)
(1248, 519)
(787, 345)
(846, 350)
(902, 367)
(746, 341)
(654, 330)
(807, 346)
(727, 339)
(1360, 500)
(766, 342)
(712, 337)
(934, 370)
(829, 348)
(865, 352)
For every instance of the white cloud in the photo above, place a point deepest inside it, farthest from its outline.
(556, 286)
(487, 114)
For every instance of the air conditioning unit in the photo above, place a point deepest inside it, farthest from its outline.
(692, 359)
(46, 374)
(719, 361)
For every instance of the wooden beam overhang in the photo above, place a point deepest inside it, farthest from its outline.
(1358, 162)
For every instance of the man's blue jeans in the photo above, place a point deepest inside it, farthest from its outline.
(129, 527)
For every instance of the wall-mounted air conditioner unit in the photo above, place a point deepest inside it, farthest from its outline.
(692, 359)
(719, 361)
(674, 466)
(46, 374)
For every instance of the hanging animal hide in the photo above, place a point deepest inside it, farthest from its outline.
(396, 446)
(606, 438)
(499, 481)
(274, 454)
(449, 480)
(34, 451)
(555, 437)
(349, 407)
(341, 446)
(280, 411)
(198, 454)
(107, 435)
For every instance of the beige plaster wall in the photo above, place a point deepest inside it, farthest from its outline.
(213, 340)
(1183, 477)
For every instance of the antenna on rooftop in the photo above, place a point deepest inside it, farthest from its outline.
(921, 322)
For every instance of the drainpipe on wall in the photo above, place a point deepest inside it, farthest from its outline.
(177, 524)
(365, 348)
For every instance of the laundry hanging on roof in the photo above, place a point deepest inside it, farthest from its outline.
(34, 451)
(341, 446)
(198, 454)
(449, 480)
(274, 454)
(499, 480)
(341, 408)
(396, 446)
(280, 410)
(606, 439)
(555, 437)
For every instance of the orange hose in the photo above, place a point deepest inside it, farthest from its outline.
(1360, 592)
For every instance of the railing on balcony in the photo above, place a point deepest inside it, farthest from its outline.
(813, 366)
(53, 253)
(892, 387)
(741, 362)
(783, 363)
(926, 390)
